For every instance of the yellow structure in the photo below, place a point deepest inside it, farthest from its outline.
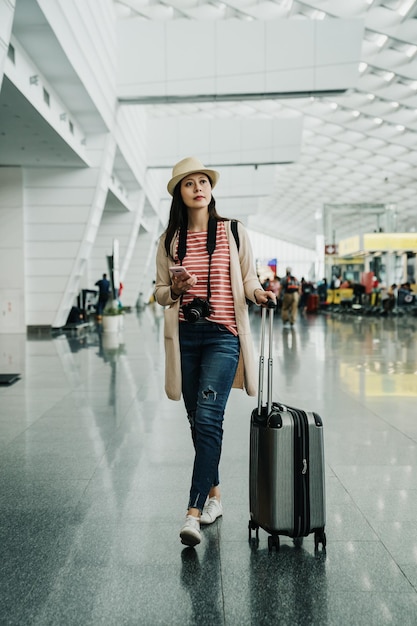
(391, 256)
(360, 245)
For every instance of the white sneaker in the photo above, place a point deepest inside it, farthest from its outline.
(211, 511)
(190, 532)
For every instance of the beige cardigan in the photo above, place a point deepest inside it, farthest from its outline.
(244, 281)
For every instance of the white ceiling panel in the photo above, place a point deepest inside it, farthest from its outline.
(357, 146)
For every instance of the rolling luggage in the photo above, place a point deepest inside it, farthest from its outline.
(313, 303)
(286, 465)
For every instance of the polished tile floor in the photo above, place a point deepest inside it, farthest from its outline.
(94, 477)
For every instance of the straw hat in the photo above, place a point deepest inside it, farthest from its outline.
(190, 165)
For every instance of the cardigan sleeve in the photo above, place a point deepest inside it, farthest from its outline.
(163, 278)
(247, 265)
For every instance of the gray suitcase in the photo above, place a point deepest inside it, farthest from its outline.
(286, 465)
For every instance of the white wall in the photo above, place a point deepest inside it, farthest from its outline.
(87, 33)
(6, 20)
(224, 141)
(12, 271)
(235, 57)
(301, 260)
(63, 210)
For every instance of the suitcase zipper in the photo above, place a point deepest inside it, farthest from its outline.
(305, 474)
(301, 491)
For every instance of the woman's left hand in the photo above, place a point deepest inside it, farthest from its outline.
(262, 297)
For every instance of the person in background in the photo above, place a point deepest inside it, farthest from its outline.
(335, 284)
(346, 284)
(389, 298)
(275, 287)
(405, 294)
(152, 296)
(306, 289)
(103, 294)
(291, 290)
(322, 291)
(207, 330)
(266, 282)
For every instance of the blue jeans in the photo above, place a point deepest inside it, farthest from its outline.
(209, 358)
(102, 301)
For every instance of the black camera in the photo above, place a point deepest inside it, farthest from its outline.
(195, 309)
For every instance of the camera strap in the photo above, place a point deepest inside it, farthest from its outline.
(211, 246)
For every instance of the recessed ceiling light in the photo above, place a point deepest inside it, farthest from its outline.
(377, 120)
(381, 40)
(411, 51)
(406, 6)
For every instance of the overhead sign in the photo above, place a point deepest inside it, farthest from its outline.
(390, 241)
(378, 242)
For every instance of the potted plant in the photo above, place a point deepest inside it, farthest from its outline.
(112, 317)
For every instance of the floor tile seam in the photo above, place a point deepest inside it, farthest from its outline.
(221, 582)
(109, 443)
(32, 588)
(414, 586)
(380, 467)
(341, 483)
(386, 548)
(397, 429)
(123, 420)
(371, 465)
(24, 430)
(399, 567)
(38, 419)
(379, 417)
(365, 518)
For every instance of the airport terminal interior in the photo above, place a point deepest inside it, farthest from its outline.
(308, 109)
(95, 470)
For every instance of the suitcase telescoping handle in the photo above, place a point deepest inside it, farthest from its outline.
(271, 308)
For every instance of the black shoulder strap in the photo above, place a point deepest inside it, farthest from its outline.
(182, 243)
(211, 246)
(211, 239)
(211, 235)
(233, 226)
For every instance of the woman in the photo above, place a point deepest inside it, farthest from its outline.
(208, 344)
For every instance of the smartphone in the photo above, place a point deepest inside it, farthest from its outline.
(180, 272)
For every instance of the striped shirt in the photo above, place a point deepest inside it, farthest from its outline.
(197, 262)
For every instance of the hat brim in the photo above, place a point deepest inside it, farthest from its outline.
(212, 174)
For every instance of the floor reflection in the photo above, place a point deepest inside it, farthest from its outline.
(95, 466)
(287, 586)
(200, 576)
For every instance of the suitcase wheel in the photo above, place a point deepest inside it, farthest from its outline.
(255, 527)
(273, 542)
(319, 538)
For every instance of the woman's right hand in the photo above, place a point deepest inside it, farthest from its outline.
(179, 286)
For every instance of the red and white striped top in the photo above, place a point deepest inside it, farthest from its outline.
(197, 262)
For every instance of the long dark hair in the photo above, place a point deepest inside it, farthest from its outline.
(178, 215)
